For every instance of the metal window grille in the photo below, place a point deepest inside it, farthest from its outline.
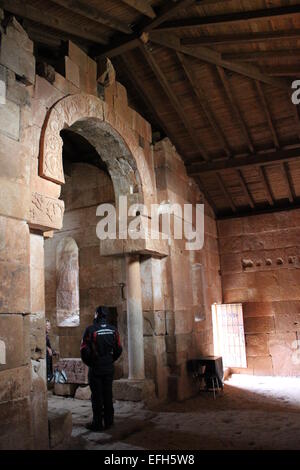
(229, 337)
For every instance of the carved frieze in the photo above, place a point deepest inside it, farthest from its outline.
(46, 212)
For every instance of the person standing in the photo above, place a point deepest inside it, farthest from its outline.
(49, 352)
(100, 348)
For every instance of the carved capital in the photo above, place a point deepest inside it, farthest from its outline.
(45, 213)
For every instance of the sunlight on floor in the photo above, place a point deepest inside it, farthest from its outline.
(283, 389)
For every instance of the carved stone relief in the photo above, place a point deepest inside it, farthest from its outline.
(46, 212)
(67, 283)
(64, 114)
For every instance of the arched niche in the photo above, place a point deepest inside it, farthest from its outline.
(114, 140)
(67, 283)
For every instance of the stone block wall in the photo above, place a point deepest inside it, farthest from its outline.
(23, 394)
(30, 207)
(260, 264)
(190, 279)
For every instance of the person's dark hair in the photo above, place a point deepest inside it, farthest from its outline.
(101, 313)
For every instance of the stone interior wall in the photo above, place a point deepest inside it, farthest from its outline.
(190, 279)
(23, 394)
(260, 263)
(30, 209)
(100, 278)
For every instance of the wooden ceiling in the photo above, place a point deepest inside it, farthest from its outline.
(213, 75)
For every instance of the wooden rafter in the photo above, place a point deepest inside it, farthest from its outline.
(203, 102)
(235, 108)
(225, 192)
(266, 185)
(258, 159)
(246, 189)
(52, 38)
(260, 55)
(266, 109)
(89, 11)
(170, 8)
(142, 6)
(279, 71)
(167, 11)
(213, 57)
(119, 48)
(130, 71)
(288, 182)
(244, 16)
(206, 193)
(123, 45)
(240, 38)
(173, 99)
(18, 7)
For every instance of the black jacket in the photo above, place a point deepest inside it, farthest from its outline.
(100, 347)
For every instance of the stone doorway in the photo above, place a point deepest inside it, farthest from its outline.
(77, 277)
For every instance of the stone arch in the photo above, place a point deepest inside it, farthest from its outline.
(67, 283)
(116, 143)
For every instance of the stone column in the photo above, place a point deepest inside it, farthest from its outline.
(134, 319)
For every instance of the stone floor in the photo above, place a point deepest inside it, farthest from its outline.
(258, 413)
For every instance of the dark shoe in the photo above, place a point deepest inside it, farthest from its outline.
(94, 427)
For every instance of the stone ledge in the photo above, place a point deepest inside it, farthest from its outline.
(134, 390)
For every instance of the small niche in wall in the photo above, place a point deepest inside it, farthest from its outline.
(2, 352)
(67, 283)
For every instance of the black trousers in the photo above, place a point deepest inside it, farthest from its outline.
(102, 399)
(49, 366)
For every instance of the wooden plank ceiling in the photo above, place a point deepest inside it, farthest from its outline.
(213, 75)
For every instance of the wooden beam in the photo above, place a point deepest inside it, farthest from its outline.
(266, 184)
(213, 57)
(265, 106)
(168, 10)
(206, 193)
(258, 159)
(235, 108)
(246, 189)
(46, 35)
(288, 181)
(279, 71)
(21, 8)
(142, 6)
(241, 38)
(119, 48)
(236, 18)
(260, 55)
(202, 101)
(129, 68)
(225, 192)
(278, 207)
(123, 45)
(93, 13)
(173, 99)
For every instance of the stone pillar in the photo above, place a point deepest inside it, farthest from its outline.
(134, 319)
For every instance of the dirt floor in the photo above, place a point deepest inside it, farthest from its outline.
(258, 413)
